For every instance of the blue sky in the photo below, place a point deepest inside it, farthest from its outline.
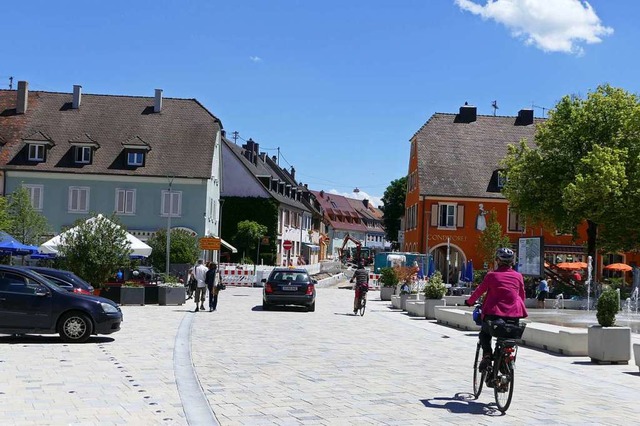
(339, 86)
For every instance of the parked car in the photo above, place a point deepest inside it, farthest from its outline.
(146, 274)
(65, 279)
(31, 304)
(287, 286)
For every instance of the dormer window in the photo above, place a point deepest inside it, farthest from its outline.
(502, 179)
(135, 159)
(83, 154)
(36, 152)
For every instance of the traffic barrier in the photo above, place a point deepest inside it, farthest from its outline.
(237, 277)
(374, 282)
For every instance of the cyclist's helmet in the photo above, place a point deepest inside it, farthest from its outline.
(505, 256)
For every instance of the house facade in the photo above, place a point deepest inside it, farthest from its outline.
(454, 183)
(154, 162)
(251, 174)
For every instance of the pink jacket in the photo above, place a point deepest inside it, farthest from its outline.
(505, 294)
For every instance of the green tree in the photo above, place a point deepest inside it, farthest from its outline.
(393, 207)
(184, 248)
(584, 167)
(96, 249)
(27, 225)
(5, 218)
(491, 238)
(249, 234)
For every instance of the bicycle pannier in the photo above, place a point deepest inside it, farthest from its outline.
(507, 330)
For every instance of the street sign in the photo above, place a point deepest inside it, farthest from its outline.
(287, 245)
(210, 243)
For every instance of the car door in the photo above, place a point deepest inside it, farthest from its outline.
(24, 302)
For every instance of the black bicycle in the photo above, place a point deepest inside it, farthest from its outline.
(362, 302)
(500, 374)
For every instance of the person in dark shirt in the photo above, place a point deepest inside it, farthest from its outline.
(210, 280)
(361, 276)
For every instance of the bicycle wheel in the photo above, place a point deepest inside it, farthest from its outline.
(478, 377)
(363, 304)
(503, 387)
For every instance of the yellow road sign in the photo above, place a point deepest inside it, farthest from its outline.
(210, 243)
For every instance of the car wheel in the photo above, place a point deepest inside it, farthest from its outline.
(75, 327)
(312, 307)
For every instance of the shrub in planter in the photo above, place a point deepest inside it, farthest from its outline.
(435, 287)
(388, 277)
(607, 308)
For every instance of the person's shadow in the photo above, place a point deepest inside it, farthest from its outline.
(462, 403)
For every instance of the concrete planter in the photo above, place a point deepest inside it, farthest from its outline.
(132, 295)
(395, 302)
(430, 307)
(609, 344)
(171, 295)
(636, 354)
(386, 293)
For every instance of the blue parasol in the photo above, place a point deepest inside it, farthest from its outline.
(431, 269)
(10, 245)
(469, 272)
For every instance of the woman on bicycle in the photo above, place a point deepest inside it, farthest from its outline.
(504, 299)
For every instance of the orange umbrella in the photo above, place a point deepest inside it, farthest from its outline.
(572, 266)
(618, 267)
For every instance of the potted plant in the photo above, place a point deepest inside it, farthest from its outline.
(389, 281)
(170, 291)
(607, 342)
(132, 293)
(434, 292)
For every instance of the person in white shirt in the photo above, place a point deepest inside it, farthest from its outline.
(200, 273)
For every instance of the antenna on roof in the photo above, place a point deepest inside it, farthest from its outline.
(539, 107)
(235, 137)
(10, 83)
(494, 105)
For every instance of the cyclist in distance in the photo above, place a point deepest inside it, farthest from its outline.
(504, 288)
(361, 275)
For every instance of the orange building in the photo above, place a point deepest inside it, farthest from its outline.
(454, 181)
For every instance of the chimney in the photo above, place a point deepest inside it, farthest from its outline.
(293, 173)
(23, 97)
(525, 117)
(366, 203)
(468, 114)
(223, 133)
(157, 106)
(321, 193)
(77, 96)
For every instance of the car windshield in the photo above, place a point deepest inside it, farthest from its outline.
(299, 277)
(48, 281)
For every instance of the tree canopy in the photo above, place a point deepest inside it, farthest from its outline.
(491, 239)
(393, 208)
(184, 248)
(27, 225)
(249, 233)
(585, 166)
(5, 217)
(96, 249)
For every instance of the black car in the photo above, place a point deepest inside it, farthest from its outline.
(31, 304)
(65, 279)
(289, 287)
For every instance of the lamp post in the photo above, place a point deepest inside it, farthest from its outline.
(221, 202)
(170, 178)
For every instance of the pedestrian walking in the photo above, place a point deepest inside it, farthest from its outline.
(191, 283)
(200, 273)
(543, 292)
(210, 280)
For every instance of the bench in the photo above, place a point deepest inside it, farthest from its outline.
(636, 354)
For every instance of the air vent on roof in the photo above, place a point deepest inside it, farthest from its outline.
(157, 105)
(77, 96)
(23, 97)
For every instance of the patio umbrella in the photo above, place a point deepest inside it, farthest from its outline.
(469, 272)
(431, 269)
(572, 266)
(463, 271)
(622, 267)
(10, 245)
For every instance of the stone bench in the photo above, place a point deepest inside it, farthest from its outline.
(554, 338)
(636, 354)
(561, 304)
(415, 308)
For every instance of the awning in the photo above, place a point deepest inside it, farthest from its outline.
(229, 246)
(312, 247)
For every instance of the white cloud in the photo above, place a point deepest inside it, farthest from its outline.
(255, 59)
(550, 25)
(376, 201)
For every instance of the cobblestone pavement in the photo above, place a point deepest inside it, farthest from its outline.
(290, 367)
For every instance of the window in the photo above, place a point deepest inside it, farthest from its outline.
(35, 195)
(78, 199)
(502, 179)
(172, 203)
(516, 223)
(36, 152)
(83, 154)
(135, 158)
(447, 216)
(125, 201)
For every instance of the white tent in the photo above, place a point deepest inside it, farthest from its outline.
(138, 248)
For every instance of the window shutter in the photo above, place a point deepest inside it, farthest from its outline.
(460, 218)
(434, 215)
